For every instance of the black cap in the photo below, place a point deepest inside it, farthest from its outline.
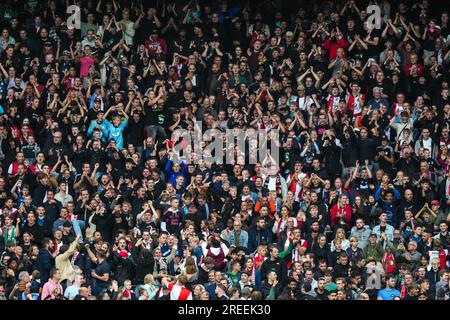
(217, 230)
(47, 43)
(67, 224)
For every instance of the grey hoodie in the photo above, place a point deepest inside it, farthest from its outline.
(362, 235)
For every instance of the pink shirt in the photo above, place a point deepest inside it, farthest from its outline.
(86, 63)
(48, 288)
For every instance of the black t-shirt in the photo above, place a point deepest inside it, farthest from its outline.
(362, 185)
(374, 50)
(359, 54)
(321, 296)
(156, 117)
(92, 114)
(101, 269)
(386, 166)
(349, 35)
(145, 28)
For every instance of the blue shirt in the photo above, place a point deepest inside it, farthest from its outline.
(116, 133)
(386, 294)
(377, 105)
(71, 292)
(104, 126)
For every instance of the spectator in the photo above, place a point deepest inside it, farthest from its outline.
(92, 121)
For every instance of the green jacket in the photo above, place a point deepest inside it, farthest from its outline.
(376, 251)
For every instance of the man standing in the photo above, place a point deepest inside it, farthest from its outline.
(45, 261)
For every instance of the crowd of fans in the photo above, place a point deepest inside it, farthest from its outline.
(93, 205)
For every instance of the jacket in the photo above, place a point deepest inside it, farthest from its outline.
(279, 266)
(144, 263)
(389, 232)
(376, 251)
(104, 127)
(64, 265)
(361, 235)
(257, 236)
(172, 176)
(122, 267)
(243, 238)
(45, 263)
(334, 215)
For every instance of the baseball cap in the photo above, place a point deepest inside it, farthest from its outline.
(67, 224)
(435, 202)
(127, 176)
(246, 272)
(289, 34)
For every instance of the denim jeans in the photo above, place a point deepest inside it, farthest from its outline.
(78, 226)
(154, 131)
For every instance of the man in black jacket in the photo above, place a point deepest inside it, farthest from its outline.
(259, 234)
(407, 203)
(274, 263)
(35, 230)
(121, 264)
(272, 282)
(52, 207)
(143, 261)
(45, 260)
(44, 221)
(341, 268)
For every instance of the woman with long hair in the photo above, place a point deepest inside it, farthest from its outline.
(341, 214)
(359, 210)
(281, 222)
(255, 274)
(190, 269)
(340, 235)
